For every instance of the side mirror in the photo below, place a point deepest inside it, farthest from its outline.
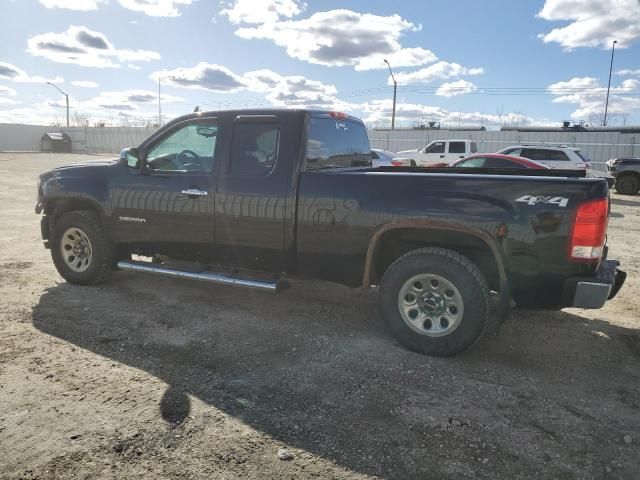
(131, 157)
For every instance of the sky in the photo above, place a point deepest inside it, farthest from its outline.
(462, 62)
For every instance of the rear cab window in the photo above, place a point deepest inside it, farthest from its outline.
(336, 141)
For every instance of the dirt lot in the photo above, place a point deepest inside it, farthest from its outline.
(158, 378)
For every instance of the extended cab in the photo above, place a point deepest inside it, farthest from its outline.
(440, 152)
(248, 198)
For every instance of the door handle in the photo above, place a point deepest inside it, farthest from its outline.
(441, 156)
(194, 192)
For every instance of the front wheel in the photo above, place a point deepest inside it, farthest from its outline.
(435, 301)
(81, 248)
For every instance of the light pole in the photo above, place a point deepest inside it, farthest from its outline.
(606, 105)
(395, 87)
(65, 96)
(159, 101)
(159, 104)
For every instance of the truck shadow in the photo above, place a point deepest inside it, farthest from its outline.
(315, 368)
(626, 202)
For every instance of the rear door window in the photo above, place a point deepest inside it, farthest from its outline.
(556, 156)
(254, 149)
(335, 142)
(474, 147)
(457, 147)
(544, 155)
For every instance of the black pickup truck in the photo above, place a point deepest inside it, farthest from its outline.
(248, 198)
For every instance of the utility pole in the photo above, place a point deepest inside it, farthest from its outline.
(606, 105)
(395, 88)
(65, 96)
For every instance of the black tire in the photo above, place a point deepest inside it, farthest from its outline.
(103, 252)
(628, 184)
(413, 163)
(460, 272)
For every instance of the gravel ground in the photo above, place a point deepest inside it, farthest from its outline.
(157, 378)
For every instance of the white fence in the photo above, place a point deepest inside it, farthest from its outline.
(599, 146)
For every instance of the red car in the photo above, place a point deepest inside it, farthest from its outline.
(497, 160)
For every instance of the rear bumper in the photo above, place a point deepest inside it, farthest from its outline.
(593, 292)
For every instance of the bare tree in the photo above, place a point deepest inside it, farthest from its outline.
(81, 119)
(500, 113)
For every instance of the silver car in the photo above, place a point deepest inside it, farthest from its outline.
(385, 158)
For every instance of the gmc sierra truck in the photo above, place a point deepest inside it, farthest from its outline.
(249, 198)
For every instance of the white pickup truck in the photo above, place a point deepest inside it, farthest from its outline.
(440, 152)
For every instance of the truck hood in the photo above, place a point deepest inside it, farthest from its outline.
(87, 168)
(88, 163)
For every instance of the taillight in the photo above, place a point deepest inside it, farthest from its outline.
(589, 231)
(397, 163)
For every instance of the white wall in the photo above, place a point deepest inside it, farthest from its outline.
(16, 137)
(599, 146)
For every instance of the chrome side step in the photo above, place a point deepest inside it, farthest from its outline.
(204, 276)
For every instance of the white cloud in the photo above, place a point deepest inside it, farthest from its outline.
(85, 84)
(155, 8)
(81, 46)
(379, 111)
(280, 90)
(134, 67)
(290, 90)
(627, 71)
(83, 5)
(592, 23)
(441, 70)
(590, 97)
(251, 11)
(459, 87)
(126, 100)
(343, 37)
(11, 72)
(204, 76)
(7, 91)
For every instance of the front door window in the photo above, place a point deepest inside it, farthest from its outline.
(189, 149)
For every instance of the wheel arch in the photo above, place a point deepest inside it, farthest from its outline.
(55, 208)
(394, 240)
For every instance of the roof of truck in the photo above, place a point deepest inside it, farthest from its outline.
(267, 111)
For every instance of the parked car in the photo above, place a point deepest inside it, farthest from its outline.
(441, 152)
(497, 160)
(626, 172)
(245, 198)
(561, 156)
(385, 158)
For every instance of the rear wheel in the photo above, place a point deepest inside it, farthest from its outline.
(81, 248)
(435, 301)
(628, 184)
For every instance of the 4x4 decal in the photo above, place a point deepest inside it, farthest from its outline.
(536, 199)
